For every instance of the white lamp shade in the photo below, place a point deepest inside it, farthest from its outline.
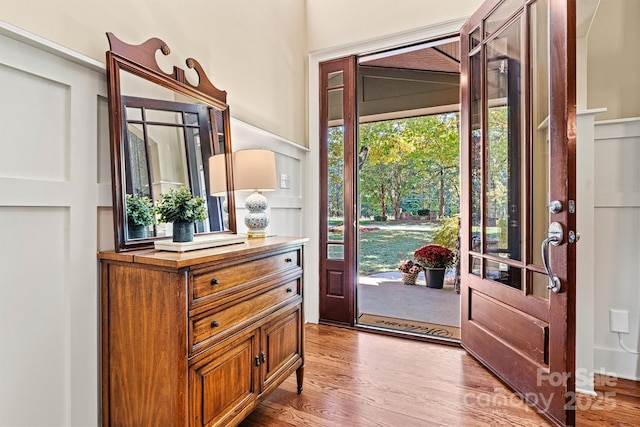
(217, 175)
(254, 170)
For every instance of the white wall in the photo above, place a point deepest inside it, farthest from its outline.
(613, 83)
(614, 59)
(255, 50)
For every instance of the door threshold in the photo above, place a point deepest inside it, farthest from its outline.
(454, 342)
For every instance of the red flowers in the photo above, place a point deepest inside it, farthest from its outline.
(434, 256)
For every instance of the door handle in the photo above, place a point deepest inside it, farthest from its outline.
(554, 237)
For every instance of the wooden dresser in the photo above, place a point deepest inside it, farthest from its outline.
(199, 338)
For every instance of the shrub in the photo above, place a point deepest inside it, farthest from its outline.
(447, 233)
(423, 212)
(380, 218)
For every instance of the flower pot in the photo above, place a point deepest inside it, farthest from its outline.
(183, 231)
(136, 231)
(409, 278)
(435, 277)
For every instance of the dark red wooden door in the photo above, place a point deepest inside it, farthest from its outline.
(518, 155)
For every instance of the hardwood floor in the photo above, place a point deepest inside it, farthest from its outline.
(362, 379)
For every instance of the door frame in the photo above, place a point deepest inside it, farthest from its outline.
(312, 199)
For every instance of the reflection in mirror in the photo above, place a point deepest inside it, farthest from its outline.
(164, 130)
(163, 151)
(218, 185)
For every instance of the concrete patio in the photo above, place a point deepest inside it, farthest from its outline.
(385, 294)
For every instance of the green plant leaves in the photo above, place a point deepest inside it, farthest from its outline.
(180, 206)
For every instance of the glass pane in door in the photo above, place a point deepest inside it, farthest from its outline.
(505, 145)
(335, 166)
(540, 124)
(475, 86)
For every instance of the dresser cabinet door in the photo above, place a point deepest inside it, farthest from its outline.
(281, 344)
(225, 381)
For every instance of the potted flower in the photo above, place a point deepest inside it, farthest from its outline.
(182, 209)
(140, 215)
(435, 259)
(409, 271)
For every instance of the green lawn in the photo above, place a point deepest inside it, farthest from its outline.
(381, 250)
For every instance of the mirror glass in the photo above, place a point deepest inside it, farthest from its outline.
(164, 131)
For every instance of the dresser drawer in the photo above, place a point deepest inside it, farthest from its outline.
(212, 283)
(215, 325)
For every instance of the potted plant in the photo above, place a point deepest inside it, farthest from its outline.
(435, 259)
(409, 270)
(182, 209)
(140, 215)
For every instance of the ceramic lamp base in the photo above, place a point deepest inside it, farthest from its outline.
(257, 219)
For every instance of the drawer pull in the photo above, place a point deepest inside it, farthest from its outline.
(263, 357)
(257, 361)
(215, 324)
(214, 282)
(288, 260)
(289, 290)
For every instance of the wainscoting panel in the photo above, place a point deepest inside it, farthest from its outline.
(617, 243)
(49, 292)
(35, 122)
(34, 315)
(286, 203)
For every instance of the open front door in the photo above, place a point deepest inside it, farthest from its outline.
(518, 205)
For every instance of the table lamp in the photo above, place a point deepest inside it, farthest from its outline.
(255, 170)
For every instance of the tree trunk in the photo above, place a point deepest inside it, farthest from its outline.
(441, 201)
(383, 205)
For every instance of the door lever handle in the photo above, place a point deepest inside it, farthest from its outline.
(554, 237)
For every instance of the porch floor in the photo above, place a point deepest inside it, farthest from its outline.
(385, 294)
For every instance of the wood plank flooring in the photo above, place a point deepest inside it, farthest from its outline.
(357, 378)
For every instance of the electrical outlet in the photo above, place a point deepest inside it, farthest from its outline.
(284, 181)
(619, 321)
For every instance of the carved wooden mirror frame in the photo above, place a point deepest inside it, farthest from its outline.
(137, 63)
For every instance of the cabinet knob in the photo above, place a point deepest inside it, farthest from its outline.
(288, 260)
(289, 290)
(214, 282)
(263, 357)
(257, 361)
(215, 324)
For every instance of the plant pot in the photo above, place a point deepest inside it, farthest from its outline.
(409, 278)
(183, 231)
(137, 231)
(435, 277)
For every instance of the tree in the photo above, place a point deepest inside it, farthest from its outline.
(335, 171)
(387, 169)
(438, 141)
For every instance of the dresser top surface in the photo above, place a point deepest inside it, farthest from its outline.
(187, 259)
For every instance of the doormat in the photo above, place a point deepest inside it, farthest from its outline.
(404, 325)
